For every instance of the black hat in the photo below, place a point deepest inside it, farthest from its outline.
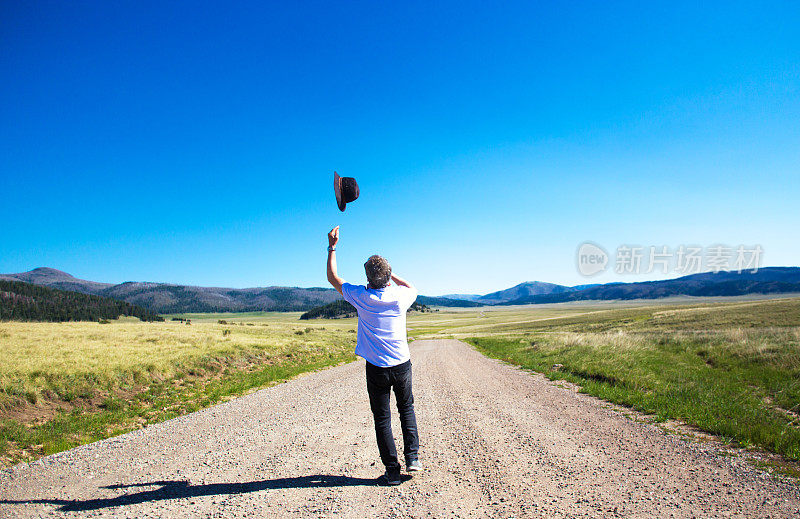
(346, 189)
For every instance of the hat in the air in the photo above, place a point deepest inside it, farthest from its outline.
(346, 189)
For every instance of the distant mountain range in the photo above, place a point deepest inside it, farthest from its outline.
(521, 291)
(20, 301)
(463, 297)
(165, 298)
(768, 280)
(170, 298)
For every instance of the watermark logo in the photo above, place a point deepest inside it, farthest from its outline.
(592, 259)
(682, 260)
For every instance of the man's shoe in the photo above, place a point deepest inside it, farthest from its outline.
(413, 466)
(392, 477)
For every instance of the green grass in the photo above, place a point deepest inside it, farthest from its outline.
(62, 362)
(584, 315)
(729, 366)
(160, 402)
(729, 369)
(65, 384)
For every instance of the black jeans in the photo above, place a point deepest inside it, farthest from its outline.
(380, 382)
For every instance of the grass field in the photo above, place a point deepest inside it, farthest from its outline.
(64, 384)
(728, 368)
(467, 322)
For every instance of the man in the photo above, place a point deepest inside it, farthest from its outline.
(382, 342)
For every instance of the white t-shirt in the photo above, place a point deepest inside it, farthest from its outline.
(381, 322)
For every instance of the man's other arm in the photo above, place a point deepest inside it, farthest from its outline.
(402, 282)
(410, 295)
(333, 276)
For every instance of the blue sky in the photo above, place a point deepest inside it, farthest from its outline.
(195, 142)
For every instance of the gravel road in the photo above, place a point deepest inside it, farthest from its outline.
(495, 442)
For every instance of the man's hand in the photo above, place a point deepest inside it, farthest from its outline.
(401, 282)
(333, 236)
(333, 276)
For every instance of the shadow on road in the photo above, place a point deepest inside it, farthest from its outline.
(182, 489)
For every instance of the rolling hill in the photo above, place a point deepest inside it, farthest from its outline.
(171, 298)
(166, 298)
(444, 301)
(526, 289)
(463, 297)
(20, 301)
(768, 280)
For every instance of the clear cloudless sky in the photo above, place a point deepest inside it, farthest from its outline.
(195, 142)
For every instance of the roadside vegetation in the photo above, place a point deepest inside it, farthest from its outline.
(65, 384)
(730, 366)
(731, 369)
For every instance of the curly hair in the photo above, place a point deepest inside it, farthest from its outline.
(378, 271)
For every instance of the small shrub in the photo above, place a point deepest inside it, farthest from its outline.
(32, 396)
(111, 404)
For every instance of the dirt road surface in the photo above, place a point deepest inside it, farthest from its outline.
(495, 442)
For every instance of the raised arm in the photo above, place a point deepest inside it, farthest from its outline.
(333, 276)
(401, 282)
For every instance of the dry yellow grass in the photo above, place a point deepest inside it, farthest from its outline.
(64, 384)
(70, 359)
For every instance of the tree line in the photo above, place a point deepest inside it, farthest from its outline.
(27, 302)
(341, 308)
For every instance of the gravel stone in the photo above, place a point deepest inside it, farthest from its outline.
(496, 441)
